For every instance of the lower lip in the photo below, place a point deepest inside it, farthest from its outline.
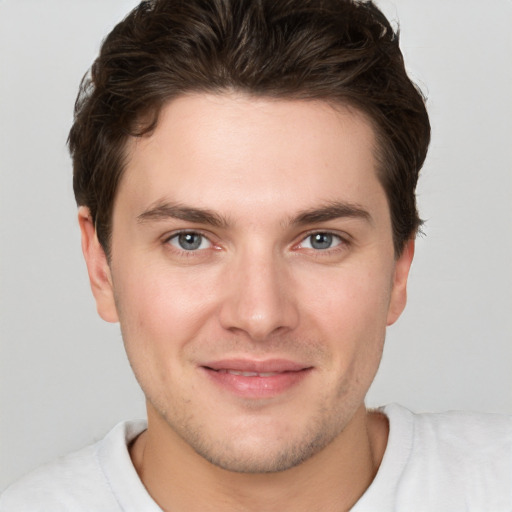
(257, 387)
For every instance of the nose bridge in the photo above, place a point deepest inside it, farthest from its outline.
(259, 299)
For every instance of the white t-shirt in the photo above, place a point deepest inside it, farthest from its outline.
(433, 463)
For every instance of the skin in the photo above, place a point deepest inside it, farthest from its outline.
(270, 175)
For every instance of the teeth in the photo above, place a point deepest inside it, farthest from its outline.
(250, 374)
(243, 374)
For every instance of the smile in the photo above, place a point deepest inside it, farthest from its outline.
(249, 374)
(256, 379)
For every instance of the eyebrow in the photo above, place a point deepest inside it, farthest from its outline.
(332, 210)
(165, 210)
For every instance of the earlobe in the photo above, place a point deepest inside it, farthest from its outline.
(97, 266)
(399, 291)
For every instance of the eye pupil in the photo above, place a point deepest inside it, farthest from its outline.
(321, 240)
(189, 241)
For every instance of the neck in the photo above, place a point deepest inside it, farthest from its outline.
(178, 479)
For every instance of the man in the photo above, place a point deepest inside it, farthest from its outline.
(245, 174)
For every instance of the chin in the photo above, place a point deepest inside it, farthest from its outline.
(264, 454)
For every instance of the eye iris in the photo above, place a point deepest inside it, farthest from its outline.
(321, 241)
(189, 241)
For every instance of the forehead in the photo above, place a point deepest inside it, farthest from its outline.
(227, 150)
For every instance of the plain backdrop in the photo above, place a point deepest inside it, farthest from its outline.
(64, 378)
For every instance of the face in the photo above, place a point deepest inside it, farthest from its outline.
(253, 274)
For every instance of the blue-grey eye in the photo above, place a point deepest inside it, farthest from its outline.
(189, 241)
(321, 241)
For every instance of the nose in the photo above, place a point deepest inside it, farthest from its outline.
(259, 299)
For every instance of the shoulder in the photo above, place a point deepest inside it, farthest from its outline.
(444, 462)
(75, 482)
(463, 437)
(60, 485)
(456, 458)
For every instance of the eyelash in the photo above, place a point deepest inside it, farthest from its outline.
(185, 252)
(343, 244)
(343, 241)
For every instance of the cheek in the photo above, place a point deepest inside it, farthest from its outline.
(351, 314)
(352, 300)
(162, 309)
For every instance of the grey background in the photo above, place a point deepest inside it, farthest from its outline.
(64, 378)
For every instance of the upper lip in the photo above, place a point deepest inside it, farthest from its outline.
(257, 366)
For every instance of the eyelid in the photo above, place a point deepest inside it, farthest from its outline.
(176, 241)
(345, 238)
(174, 234)
(185, 231)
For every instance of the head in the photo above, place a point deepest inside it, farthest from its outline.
(247, 170)
(339, 51)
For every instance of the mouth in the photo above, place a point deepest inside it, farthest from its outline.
(256, 379)
(248, 374)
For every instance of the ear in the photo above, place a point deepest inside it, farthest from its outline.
(399, 291)
(98, 268)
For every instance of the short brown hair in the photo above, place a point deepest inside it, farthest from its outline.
(342, 51)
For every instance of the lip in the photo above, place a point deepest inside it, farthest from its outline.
(249, 378)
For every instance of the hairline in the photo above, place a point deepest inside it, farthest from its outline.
(148, 121)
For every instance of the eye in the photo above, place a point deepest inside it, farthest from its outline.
(189, 241)
(321, 241)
